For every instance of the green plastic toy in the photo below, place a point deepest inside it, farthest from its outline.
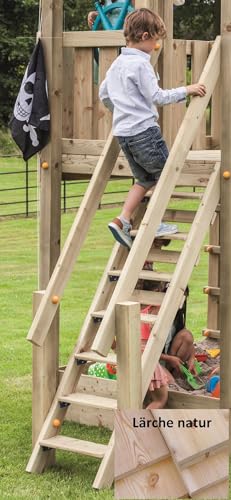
(102, 370)
(189, 376)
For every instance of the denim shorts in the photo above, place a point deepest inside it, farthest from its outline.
(146, 154)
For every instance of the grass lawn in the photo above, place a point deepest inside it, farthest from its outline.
(73, 475)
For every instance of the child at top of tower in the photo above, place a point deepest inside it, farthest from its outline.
(131, 91)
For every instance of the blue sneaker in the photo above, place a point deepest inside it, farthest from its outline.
(166, 229)
(121, 232)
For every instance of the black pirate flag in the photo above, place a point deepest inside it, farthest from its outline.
(30, 122)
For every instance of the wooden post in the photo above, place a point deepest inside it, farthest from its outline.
(129, 387)
(225, 215)
(165, 66)
(199, 57)
(45, 359)
(44, 379)
(128, 351)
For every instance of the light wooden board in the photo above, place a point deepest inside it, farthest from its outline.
(136, 448)
(199, 57)
(141, 484)
(190, 445)
(106, 58)
(211, 471)
(219, 491)
(178, 400)
(83, 94)
(179, 79)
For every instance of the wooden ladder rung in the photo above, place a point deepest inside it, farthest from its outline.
(75, 445)
(176, 236)
(145, 275)
(174, 215)
(212, 290)
(96, 358)
(209, 332)
(90, 401)
(213, 249)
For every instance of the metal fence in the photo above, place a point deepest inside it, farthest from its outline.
(19, 189)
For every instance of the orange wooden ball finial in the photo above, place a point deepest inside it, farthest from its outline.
(45, 165)
(157, 46)
(56, 423)
(55, 299)
(226, 174)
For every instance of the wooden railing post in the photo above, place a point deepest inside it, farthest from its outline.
(225, 213)
(128, 355)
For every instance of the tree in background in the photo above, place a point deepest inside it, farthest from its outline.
(197, 20)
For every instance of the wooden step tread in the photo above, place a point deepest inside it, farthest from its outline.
(184, 195)
(176, 236)
(95, 357)
(145, 318)
(148, 298)
(90, 400)
(75, 445)
(145, 275)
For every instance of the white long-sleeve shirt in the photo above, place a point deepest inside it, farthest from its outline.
(131, 91)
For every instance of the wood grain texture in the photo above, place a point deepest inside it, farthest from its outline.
(190, 445)
(143, 485)
(220, 491)
(136, 448)
(211, 471)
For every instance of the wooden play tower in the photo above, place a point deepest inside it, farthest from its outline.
(82, 146)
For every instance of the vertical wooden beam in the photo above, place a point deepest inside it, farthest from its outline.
(179, 79)
(83, 93)
(225, 214)
(167, 64)
(44, 380)
(46, 359)
(106, 58)
(199, 57)
(216, 117)
(129, 387)
(68, 91)
(128, 351)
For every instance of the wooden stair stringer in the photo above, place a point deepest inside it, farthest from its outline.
(78, 232)
(175, 292)
(159, 200)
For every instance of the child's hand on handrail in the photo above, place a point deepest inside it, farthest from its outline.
(198, 89)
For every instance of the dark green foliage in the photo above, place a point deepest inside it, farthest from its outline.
(197, 20)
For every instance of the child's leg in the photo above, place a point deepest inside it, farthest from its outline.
(182, 345)
(159, 398)
(133, 199)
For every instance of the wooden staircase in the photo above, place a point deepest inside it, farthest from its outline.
(118, 283)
